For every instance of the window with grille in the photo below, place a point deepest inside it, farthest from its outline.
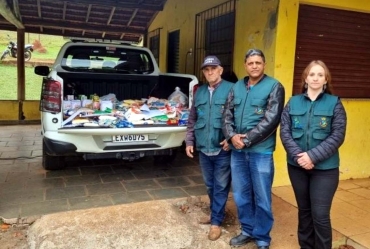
(154, 37)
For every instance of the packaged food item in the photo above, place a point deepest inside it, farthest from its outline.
(76, 104)
(179, 97)
(172, 121)
(67, 105)
(183, 117)
(95, 102)
(160, 119)
(121, 123)
(87, 103)
(104, 104)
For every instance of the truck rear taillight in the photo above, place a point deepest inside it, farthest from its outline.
(195, 88)
(51, 97)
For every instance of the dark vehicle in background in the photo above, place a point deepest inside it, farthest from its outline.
(11, 50)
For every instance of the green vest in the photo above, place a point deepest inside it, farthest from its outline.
(311, 124)
(249, 109)
(208, 127)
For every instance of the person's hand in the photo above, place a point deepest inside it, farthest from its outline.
(305, 161)
(189, 151)
(225, 145)
(237, 141)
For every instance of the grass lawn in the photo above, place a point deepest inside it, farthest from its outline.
(9, 82)
(8, 79)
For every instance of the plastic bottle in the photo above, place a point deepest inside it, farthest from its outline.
(96, 102)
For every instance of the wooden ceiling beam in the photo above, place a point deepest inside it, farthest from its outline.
(64, 10)
(118, 4)
(39, 8)
(132, 17)
(88, 13)
(79, 26)
(111, 15)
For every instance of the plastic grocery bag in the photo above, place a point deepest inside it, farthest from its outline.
(179, 97)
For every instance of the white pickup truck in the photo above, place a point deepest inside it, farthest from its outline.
(128, 71)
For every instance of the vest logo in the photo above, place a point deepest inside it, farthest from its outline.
(296, 123)
(209, 60)
(258, 110)
(323, 122)
(200, 112)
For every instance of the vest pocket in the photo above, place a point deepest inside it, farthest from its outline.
(199, 125)
(217, 123)
(259, 106)
(296, 116)
(322, 119)
(297, 134)
(320, 135)
(200, 107)
(219, 107)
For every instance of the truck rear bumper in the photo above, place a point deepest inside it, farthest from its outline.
(100, 140)
(54, 147)
(128, 155)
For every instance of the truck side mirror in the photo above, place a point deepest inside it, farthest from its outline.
(42, 70)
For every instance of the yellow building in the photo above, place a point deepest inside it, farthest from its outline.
(185, 31)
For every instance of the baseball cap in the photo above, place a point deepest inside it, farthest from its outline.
(211, 60)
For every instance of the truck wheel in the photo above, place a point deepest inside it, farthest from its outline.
(166, 158)
(51, 162)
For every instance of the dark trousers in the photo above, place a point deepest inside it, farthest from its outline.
(314, 191)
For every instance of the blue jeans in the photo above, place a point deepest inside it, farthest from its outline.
(217, 178)
(252, 176)
(314, 191)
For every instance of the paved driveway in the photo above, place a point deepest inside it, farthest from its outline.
(26, 189)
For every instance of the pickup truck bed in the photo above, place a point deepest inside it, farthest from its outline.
(125, 86)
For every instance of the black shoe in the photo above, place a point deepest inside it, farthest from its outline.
(263, 247)
(240, 240)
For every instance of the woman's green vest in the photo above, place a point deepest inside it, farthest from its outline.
(311, 125)
(208, 127)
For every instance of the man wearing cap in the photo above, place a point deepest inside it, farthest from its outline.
(204, 132)
(251, 117)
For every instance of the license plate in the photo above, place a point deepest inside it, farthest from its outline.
(130, 138)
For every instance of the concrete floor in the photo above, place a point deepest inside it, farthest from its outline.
(27, 190)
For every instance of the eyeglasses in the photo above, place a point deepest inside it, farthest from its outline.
(253, 51)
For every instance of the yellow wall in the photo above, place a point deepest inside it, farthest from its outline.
(180, 15)
(255, 27)
(30, 110)
(11, 107)
(353, 153)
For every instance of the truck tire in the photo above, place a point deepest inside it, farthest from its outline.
(165, 158)
(52, 162)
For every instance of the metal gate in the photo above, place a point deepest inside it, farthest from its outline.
(154, 41)
(214, 35)
(173, 52)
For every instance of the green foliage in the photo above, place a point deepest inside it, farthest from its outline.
(50, 46)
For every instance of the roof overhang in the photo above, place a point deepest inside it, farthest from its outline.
(125, 20)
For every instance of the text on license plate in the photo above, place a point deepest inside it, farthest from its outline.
(130, 138)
